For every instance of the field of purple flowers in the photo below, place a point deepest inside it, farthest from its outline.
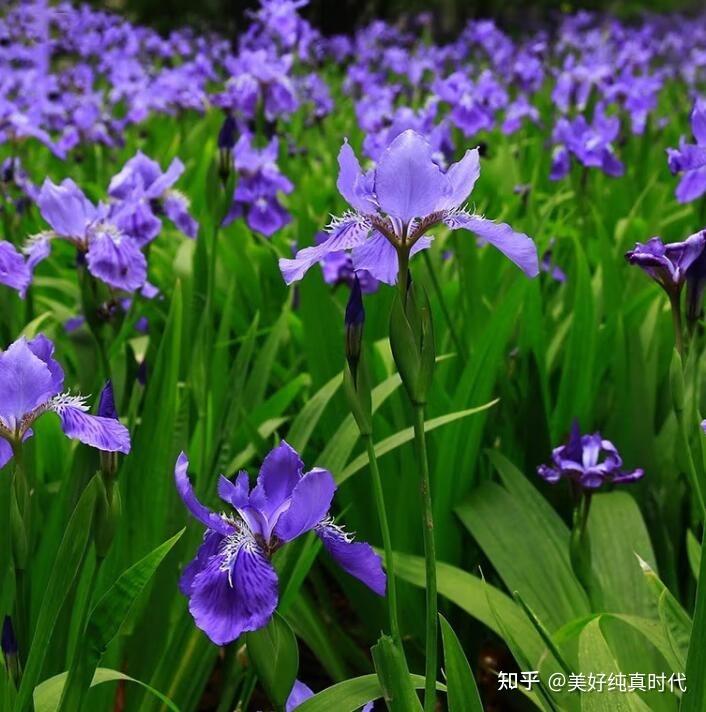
(352, 372)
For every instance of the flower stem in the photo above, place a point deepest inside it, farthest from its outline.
(429, 560)
(444, 309)
(386, 540)
(675, 303)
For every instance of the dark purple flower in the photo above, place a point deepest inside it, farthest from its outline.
(395, 204)
(142, 190)
(591, 144)
(690, 159)
(587, 460)
(8, 641)
(259, 184)
(231, 584)
(668, 264)
(31, 384)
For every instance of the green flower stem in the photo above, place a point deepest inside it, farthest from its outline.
(429, 561)
(675, 304)
(386, 540)
(19, 527)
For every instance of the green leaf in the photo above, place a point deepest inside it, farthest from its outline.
(106, 620)
(595, 656)
(390, 664)
(303, 425)
(64, 571)
(274, 654)
(462, 693)
(405, 436)
(504, 526)
(46, 696)
(351, 695)
(694, 699)
(475, 597)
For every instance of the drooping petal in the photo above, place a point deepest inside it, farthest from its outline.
(14, 271)
(378, 257)
(104, 434)
(692, 185)
(117, 261)
(65, 208)
(408, 183)
(186, 492)
(176, 208)
(38, 249)
(514, 245)
(309, 504)
(5, 452)
(235, 592)
(138, 221)
(25, 383)
(300, 693)
(350, 181)
(463, 176)
(355, 557)
(209, 547)
(349, 232)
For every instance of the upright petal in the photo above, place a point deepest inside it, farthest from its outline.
(355, 557)
(198, 511)
(350, 182)
(65, 208)
(279, 474)
(514, 245)
(463, 176)
(43, 348)
(235, 493)
(14, 271)
(25, 383)
(235, 592)
(408, 183)
(117, 261)
(309, 504)
(698, 122)
(166, 180)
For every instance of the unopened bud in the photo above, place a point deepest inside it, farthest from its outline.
(107, 409)
(354, 321)
(226, 141)
(8, 643)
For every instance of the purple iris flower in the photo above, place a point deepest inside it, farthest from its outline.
(591, 144)
(14, 271)
(145, 192)
(395, 204)
(668, 264)
(689, 159)
(231, 584)
(111, 255)
(587, 460)
(260, 181)
(31, 384)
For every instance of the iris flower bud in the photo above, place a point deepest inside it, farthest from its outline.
(106, 409)
(354, 320)
(226, 141)
(8, 643)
